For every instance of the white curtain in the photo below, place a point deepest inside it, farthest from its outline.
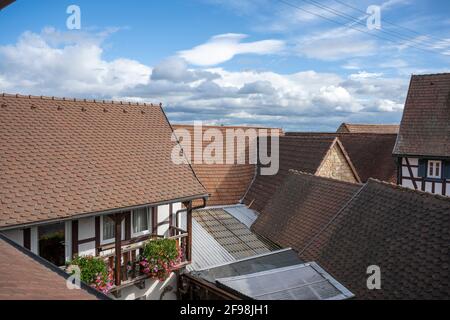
(140, 220)
(108, 228)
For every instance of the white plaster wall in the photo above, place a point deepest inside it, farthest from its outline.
(438, 188)
(405, 172)
(428, 186)
(15, 235)
(68, 240)
(182, 220)
(86, 228)
(163, 216)
(176, 206)
(412, 161)
(407, 184)
(447, 190)
(152, 291)
(34, 240)
(87, 249)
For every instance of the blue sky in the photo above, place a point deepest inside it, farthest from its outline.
(265, 62)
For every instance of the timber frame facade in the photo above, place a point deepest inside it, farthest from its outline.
(95, 178)
(84, 236)
(425, 173)
(422, 149)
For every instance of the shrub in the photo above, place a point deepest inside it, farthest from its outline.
(94, 272)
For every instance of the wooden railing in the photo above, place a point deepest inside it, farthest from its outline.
(130, 271)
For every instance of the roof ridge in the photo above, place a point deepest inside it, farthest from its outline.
(226, 126)
(430, 74)
(405, 189)
(312, 138)
(293, 133)
(373, 124)
(300, 173)
(99, 101)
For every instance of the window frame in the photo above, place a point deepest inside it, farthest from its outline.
(149, 224)
(433, 164)
(112, 240)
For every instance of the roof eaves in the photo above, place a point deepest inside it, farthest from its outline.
(53, 268)
(106, 212)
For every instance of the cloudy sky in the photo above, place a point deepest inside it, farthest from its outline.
(295, 64)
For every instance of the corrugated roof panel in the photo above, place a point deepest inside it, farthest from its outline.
(299, 282)
(243, 214)
(206, 251)
(234, 236)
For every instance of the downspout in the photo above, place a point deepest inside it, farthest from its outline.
(185, 209)
(189, 209)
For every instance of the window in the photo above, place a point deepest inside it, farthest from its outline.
(140, 221)
(108, 228)
(434, 169)
(52, 243)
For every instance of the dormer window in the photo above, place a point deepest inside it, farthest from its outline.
(434, 169)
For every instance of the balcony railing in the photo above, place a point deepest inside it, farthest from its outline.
(131, 250)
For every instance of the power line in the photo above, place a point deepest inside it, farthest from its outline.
(350, 26)
(392, 23)
(357, 20)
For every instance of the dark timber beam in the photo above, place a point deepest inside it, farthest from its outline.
(74, 238)
(188, 206)
(118, 218)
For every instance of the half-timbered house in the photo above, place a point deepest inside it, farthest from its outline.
(94, 178)
(423, 143)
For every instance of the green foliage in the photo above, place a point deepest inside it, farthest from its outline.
(161, 249)
(91, 268)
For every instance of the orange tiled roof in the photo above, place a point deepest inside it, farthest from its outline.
(25, 276)
(61, 158)
(226, 183)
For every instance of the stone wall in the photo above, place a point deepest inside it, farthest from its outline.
(336, 166)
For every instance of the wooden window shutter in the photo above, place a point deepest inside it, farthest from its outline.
(128, 226)
(422, 168)
(446, 169)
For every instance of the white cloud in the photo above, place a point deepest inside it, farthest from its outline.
(224, 47)
(364, 75)
(389, 106)
(39, 63)
(336, 44)
(394, 63)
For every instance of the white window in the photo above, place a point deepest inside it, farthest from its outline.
(108, 230)
(434, 169)
(140, 222)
